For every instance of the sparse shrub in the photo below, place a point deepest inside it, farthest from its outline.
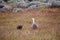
(5, 0)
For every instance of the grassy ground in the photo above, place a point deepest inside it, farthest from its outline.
(48, 21)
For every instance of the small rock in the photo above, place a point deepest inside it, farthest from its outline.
(32, 7)
(15, 10)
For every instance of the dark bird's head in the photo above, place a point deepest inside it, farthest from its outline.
(20, 27)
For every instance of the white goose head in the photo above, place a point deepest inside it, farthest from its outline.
(33, 20)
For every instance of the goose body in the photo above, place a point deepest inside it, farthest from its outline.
(34, 25)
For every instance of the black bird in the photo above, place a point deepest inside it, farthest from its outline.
(20, 27)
